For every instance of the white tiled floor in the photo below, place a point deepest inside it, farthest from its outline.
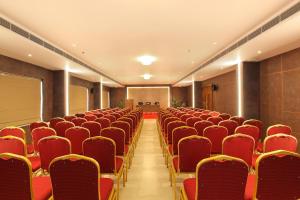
(148, 177)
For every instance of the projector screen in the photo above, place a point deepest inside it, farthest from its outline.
(149, 94)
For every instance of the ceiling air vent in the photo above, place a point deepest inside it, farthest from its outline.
(290, 11)
(270, 23)
(48, 46)
(36, 39)
(4, 23)
(19, 31)
(254, 34)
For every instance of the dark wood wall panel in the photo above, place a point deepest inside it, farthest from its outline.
(179, 95)
(117, 97)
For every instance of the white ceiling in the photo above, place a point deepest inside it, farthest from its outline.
(113, 33)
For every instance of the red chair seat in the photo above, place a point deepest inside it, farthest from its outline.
(190, 188)
(249, 191)
(106, 186)
(259, 147)
(35, 162)
(41, 187)
(176, 163)
(30, 149)
(119, 163)
(126, 149)
(170, 149)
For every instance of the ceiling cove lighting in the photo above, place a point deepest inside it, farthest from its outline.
(147, 76)
(240, 88)
(169, 95)
(67, 105)
(87, 99)
(193, 93)
(101, 98)
(146, 59)
(42, 100)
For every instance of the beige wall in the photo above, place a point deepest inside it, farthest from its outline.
(20, 100)
(149, 95)
(105, 97)
(77, 99)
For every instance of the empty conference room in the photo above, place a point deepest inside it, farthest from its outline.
(149, 100)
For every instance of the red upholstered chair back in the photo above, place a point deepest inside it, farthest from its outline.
(179, 133)
(118, 136)
(279, 128)
(162, 119)
(239, 146)
(214, 114)
(191, 150)
(225, 116)
(239, 120)
(221, 177)
(78, 121)
(125, 126)
(77, 135)
(128, 120)
(197, 114)
(37, 125)
(54, 121)
(167, 121)
(90, 117)
(133, 118)
(185, 117)
(171, 126)
(278, 176)
(205, 116)
(61, 127)
(110, 117)
(75, 177)
(80, 115)
(250, 130)
(280, 141)
(201, 125)
(103, 150)
(191, 112)
(52, 147)
(104, 122)
(215, 120)
(98, 115)
(192, 120)
(93, 127)
(256, 123)
(215, 134)
(179, 114)
(206, 111)
(39, 133)
(13, 131)
(230, 125)
(12, 144)
(69, 118)
(116, 115)
(15, 173)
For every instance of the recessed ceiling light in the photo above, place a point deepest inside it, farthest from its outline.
(214, 43)
(259, 52)
(147, 76)
(29, 55)
(193, 62)
(146, 59)
(74, 45)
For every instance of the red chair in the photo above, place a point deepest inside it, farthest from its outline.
(61, 127)
(215, 120)
(78, 121)
(39, 133)
(170, 127)
(192, 120)
(98, 115)
(54, 121)
(90, 117)
(52, 147)
(93, 127)
(277, 177)
(76, 135)
(205, 116)
(225, 116)
(257, 123)
(103, 150)
(250, 130)
(280, 141)
(37, 125)
(125, 126)
(133, 118)
(239, 120)
(69, 118)
(128, 120)
(218, 177)
(279, 128)
(215, 134)
(104, 122)
(17, 181)
(179, 114)
(230, 125)
(179, 133)
(239, 146)
(110, 117)
(16, 145)
(116, 115)
(70, 183)
(166, 122)
(185, 117)
(197, 114)
(214, 114)
(118, 136)
(201, 125)
(81, 115)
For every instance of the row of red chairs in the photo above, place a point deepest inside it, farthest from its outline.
(77, 140)
(187, 149)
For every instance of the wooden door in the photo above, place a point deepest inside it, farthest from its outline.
(207, 97)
